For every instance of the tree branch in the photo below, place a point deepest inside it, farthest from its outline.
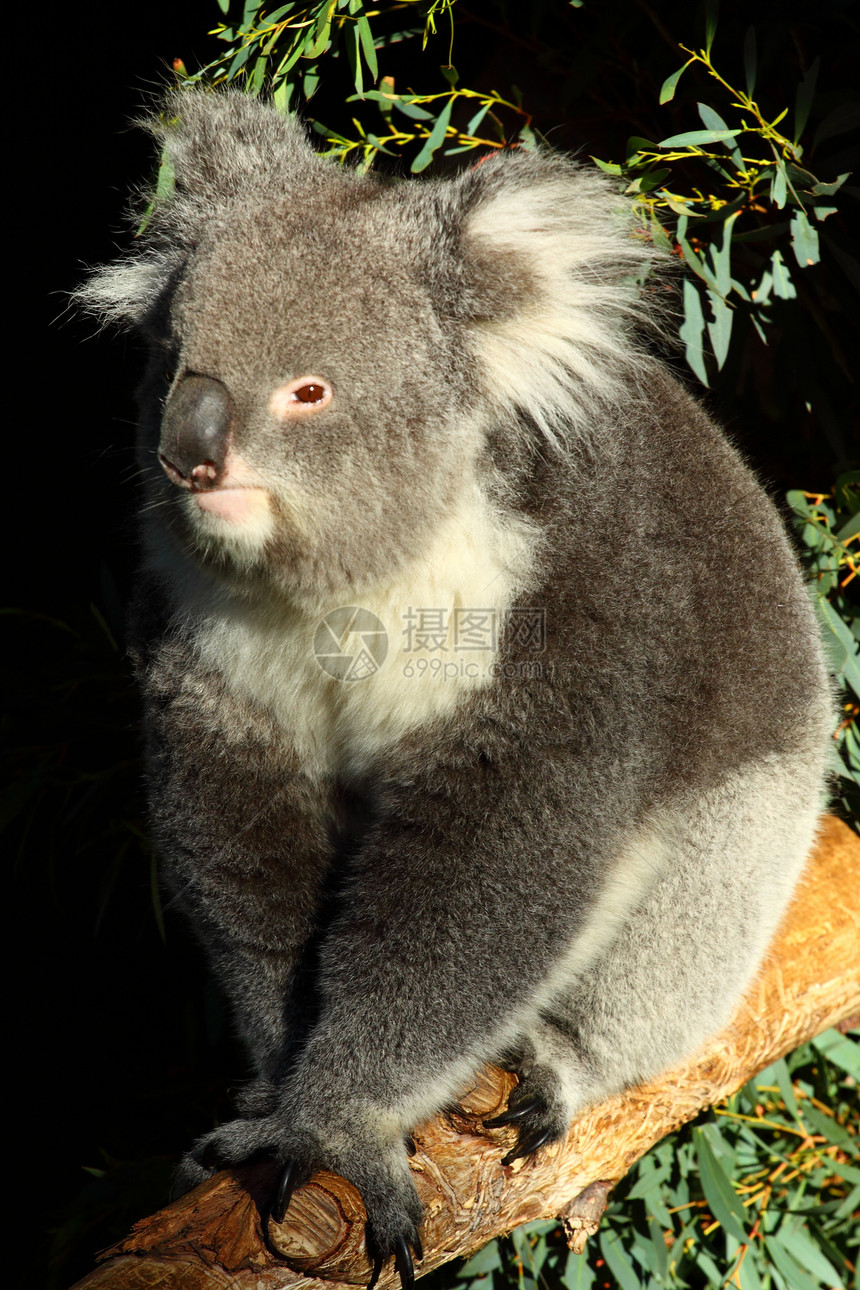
(212, 1239)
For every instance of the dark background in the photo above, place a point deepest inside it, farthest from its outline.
(120, 1054)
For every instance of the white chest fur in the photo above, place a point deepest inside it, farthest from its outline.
(342, 689)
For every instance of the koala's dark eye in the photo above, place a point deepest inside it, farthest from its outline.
(309, 393)
(303, 395)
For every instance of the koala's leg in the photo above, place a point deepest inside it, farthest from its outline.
(684, 957)
(431, 966)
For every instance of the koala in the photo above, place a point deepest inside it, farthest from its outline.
(486, 713)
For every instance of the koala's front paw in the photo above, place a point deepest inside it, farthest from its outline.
(538, 1114)
(381, 1173)
(379, 1170)
(234, 1143)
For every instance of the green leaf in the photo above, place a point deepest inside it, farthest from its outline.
(618, 1261)
(827, 190)
(783, 1083)
(635, 145)
(839, 1049)
(410, 109)
(804, 98)
(367, 47)
(804, 240)
(653, 180)
(658, 1245)
(748, 1277)
(750, 60)
(434, 140)
(486, 1260)
(723, 1201)
(782, 283)
(352, 49)
(667, 89)
(474, 123)
(715, 122)
(692, 260)
(796, 1277)
(720, 328)
(224, 5)
(712, 10)
(849, 1204)
(578, 1273)
(238, 62)
(721, 256)
(693, 330)
(450, 73)
(778, 187)
(609, 167)
(850, 530)
(318, 42)
(843, 649)
(691, 138)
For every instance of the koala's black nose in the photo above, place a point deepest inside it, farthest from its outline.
(195, 432)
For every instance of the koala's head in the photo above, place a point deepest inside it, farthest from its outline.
(332, 355)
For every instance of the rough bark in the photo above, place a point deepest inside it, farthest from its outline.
(213, 1237)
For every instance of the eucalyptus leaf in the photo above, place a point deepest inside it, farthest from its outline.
(842, 1051)
(750, 60)
(649, 182)
(434, 139)
(804, 240)
(475, 121)
(413, 110)
(843, 649)
(618, 1261)
(723, 1201)
(693, 330)
(778, 188)
(636, 144)
(609, 167)
(488, 1259)
(782, 283)
(578, 1273)
(691, 138)
(796, 1276)
(720, 327)
(804, 98)
(367, 47)
(667, 89)
(713, 121)
(850, 530)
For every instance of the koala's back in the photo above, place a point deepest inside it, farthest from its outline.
(670, 586)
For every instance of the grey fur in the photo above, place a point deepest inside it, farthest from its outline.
(574, 861)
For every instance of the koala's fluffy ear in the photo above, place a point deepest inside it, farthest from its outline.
(217, 149)
(550, 274)
(223, 145)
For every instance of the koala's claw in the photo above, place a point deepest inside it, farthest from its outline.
(403, 1262)
(528, 1143)
(292, 1176)
(517, 1110)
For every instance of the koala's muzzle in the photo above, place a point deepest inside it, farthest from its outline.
(195, 433)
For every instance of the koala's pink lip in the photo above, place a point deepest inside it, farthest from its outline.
(233, 504)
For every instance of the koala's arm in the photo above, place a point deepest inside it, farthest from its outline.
(415, 991)
(245, 851)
